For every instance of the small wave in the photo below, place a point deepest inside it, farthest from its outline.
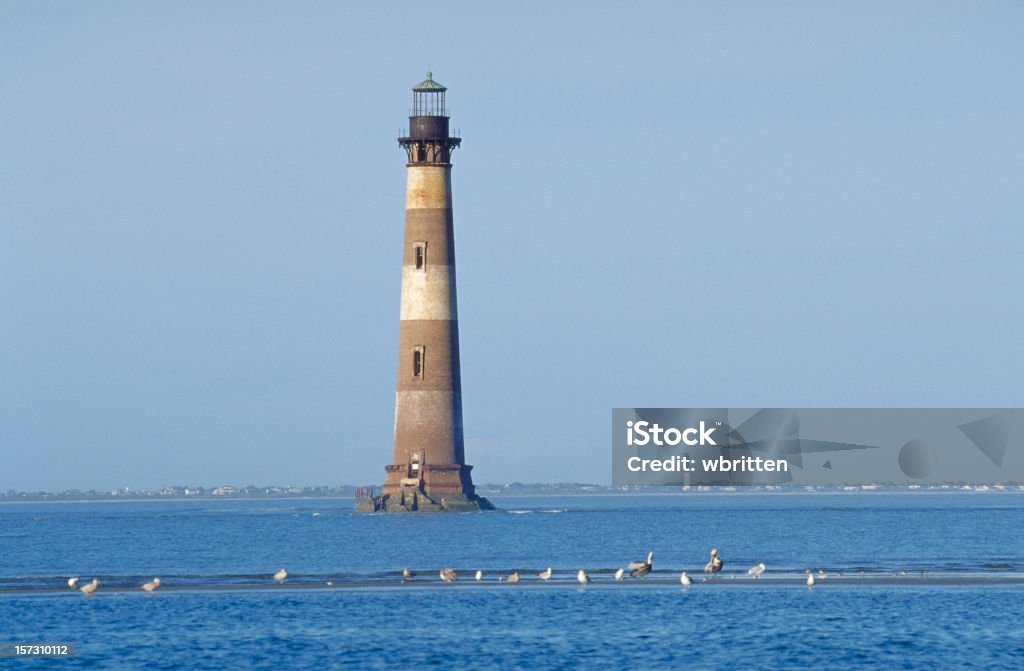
(557, 510)
(518, 512)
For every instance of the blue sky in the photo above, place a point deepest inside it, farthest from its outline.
(659, 204)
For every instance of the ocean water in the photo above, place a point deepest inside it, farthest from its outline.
(914, 580)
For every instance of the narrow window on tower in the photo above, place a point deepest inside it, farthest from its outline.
(417, 361)
(419, 253)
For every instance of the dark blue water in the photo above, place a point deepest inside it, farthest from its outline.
(959, 604)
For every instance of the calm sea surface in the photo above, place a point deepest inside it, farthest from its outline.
(915, 580)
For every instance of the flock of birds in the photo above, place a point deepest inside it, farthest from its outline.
(637, 569)
(90, 587)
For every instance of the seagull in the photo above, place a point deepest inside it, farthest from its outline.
(582, 577)
(72, 582)
(822, 574)
(545, 575)
(406, 573)
(618, 575)
(151, 585)
(448, 575)
(514, 578)
(90, 588)
(479, 576)
(280, 576)
(685, 579)
(329, 583)
(810, 579)
(714, 564)
(756, 571)
(638, 569)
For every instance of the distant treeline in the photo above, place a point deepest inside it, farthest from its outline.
(489, 490)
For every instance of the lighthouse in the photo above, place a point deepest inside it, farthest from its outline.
(428, 470)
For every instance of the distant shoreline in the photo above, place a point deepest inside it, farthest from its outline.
(610, 493)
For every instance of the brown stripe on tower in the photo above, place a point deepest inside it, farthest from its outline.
(428, 469)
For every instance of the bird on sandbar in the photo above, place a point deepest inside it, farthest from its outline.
(582, 577)
(479, 576)
(756, 571)
(810, 579)
(280, 576)
(407, 574)
(714, 564)
(545, 575)
(514, 578)
(684, 579)
(90, 588)
(72, 582)
(151, 585)
(618, 575)
(638, 569)
(448, 575)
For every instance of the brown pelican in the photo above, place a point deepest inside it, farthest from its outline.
(151, 585)
(618, 575)
(448, 575)
(582, 577)
(545, 575)
(72, 582)
(280, 576)
(90, 588)
(810, 579)
(514, 578)
(714, 564)
(685, 579)
(756, 571)
(638, 569)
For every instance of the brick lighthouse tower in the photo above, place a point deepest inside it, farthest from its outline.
(428, 470)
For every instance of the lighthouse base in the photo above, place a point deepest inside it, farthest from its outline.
(412, 499)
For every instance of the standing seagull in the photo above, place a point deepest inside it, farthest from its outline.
(514, 578)
(479, 576)
(638, 569)
(756, 571)
(545, 575)
(582, 577)
(280, 576)
(448, 575)
(151, 585)
(406, 574)
(714, 564)
(72, 582)
(618, 575)
(684, 579)
(90, 588)
(810, 579)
